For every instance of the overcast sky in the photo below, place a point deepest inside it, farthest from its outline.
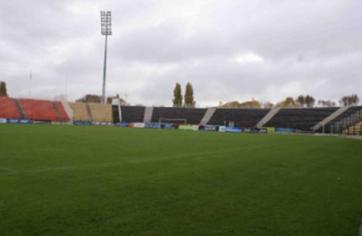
(229, 50)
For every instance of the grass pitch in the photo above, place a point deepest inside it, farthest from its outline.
(65, 180)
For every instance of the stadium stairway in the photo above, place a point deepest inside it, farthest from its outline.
(57, 113)
(207, 116)
(20, 109)
(119, 108)
(301, 119)
(348, 118)
(329, 118)
(60, 111)
(67, 109)
(148, 115)
(347, 122)
(268, 117)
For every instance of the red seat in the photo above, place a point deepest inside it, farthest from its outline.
(39, 110)
(8, 108)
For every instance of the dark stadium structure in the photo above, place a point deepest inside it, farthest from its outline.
(190, 115)
(242, 118)
(300, 119)
(132, 113)
(322, 120)
(348, 118)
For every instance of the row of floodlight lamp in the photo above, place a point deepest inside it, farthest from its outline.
(106, 22)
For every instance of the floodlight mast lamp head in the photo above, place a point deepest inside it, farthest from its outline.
(106, 22)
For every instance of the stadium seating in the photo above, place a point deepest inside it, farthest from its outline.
(101, 112)
(299, 118)
(190, 115)
(348, 122)
(39, 110)
(354, 130)
(339, 121)
(59, 109)
(8, 108)
(132, 113)
(80, 111)
(347, 113)
(242, 118)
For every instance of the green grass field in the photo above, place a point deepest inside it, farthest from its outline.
(65, 180)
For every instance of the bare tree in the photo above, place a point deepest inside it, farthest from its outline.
(251, 104)
(288, 102)
(90, 98)
(305, 101)
(355, 99)
(309, 101)
(301, 100)
(351, 100)
(232, 104)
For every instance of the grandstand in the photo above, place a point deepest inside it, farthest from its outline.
(132, 113)
(348, 118)
(59, 109)
(190, 115)
(241, 118)
(101, 112)
(299, 118)
(9, 109)
(355, 129)
(32, 109)
(326, 120)
(80, 111)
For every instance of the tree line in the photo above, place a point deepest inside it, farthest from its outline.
(301, 101)
(98, 99)
(187, 100)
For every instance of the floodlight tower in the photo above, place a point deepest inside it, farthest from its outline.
(106, 29)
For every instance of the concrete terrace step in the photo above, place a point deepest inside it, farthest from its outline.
(20, 109)
(268, 117)
(329, 118)
(148, 114)
(208, 114)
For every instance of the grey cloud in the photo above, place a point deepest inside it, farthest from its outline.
(306, 47)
